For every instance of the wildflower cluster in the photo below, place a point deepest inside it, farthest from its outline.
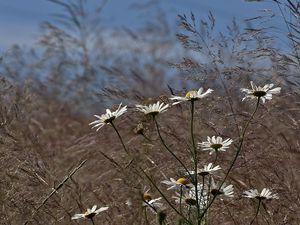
(194, 192)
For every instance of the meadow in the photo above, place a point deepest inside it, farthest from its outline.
(151, 125)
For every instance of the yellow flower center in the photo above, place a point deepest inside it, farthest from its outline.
(183, 181)
(216, 146)
(191, 94)
(147, 196)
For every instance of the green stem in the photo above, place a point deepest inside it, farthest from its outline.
(168, 149)
(216, 157)
(195, 159)
(242, 138)
(92, 221)
(257, 210)
(112, 124)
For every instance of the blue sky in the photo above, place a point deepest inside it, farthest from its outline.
(20, 19)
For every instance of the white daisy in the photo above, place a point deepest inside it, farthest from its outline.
(108, 117)
(153, 109)
(186, 198)
(90, 213)
(176, 184)
(265, 194)
(224, 190)
(208, 169)
(214, 144)
(191, 96)
(264, 93)
(189, 197)
(153, 203)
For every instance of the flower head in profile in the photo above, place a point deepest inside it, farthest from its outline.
(177, 184)
(108, 117)
(191, 96)
(153, 109)
(188, 198)
(208, 169)
(214, 144)
(265, 194)
(224, 190)
(153, 203)
(90, 213)
(264, 93)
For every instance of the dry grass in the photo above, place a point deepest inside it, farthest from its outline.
(45, 133)
(39, 148)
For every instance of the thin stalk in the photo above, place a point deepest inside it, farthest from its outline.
(55, 190)
(146, 217)
(208, 199)
(216, 157)
(152, 207)
(180, 200)
(257, 210)
(195, 159)
(242, 138)
(92, 220)
(168, 149)
(230, 214)
(189, 213)
(112, 124)
(149, 178)
(148, 139)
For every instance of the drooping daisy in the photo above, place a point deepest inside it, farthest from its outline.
(191, 96)
(214, 144)
(108, 117)
(90, 213)
(188, 198)
(153, 109)
(265, 194)
(177, 184)
(153, 204)
(264, 93)
(224, 190)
